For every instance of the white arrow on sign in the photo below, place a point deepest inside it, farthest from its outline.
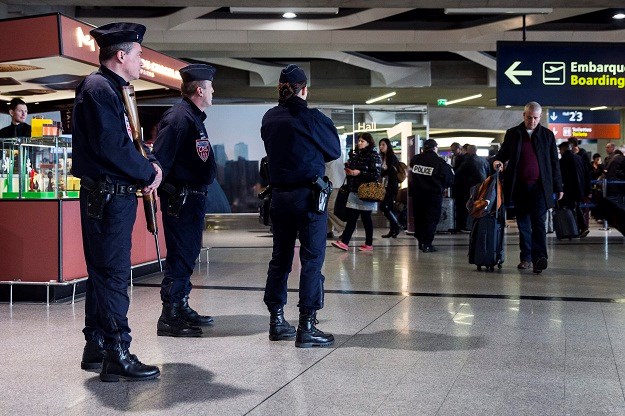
(512, 73)
(553, 117)
(555, 131)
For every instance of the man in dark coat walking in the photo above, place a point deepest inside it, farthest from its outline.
(530, 179)
(576, 182)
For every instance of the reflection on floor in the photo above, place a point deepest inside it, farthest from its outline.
(416, 334)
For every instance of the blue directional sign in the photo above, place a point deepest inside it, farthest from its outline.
(565, 74)
(583, 124)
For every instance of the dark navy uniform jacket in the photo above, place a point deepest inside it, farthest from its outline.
(101, 138)
(182, 146)
(16, 130)
(299, 141)
(430, 174)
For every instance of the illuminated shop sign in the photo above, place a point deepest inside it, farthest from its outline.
(156, 67)
(84, 40)
(555, 73)
(149, 68)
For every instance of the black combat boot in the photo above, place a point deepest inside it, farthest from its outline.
(172, 323)
(308, 335)
(191, 316)
(120, 363)
(92, 355)
(279, 328)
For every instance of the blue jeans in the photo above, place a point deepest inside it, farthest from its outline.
(531, 210)
(292, 215)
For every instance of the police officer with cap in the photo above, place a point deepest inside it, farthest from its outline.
(298, 141)
(188, 163)
(429, 177)
(111, 171)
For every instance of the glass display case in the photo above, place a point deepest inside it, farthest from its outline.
(37, 168)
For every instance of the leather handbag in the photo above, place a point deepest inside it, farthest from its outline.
(371, 191)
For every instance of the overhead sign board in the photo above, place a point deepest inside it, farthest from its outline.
(584, 124)
(556, 73)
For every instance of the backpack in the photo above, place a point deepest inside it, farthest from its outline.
(402, 172)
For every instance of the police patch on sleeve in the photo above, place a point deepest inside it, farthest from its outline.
(203, 149)
(423, 170)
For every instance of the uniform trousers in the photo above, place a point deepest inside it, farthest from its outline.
(426, 210)
(183, 236)
(107, 243)
(531, 211)
(292, 216)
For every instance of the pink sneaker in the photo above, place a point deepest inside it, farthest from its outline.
(341, 245)
(365, 247)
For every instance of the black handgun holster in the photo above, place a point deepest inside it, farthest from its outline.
(322, 188)
(100, 193)
(176, 197)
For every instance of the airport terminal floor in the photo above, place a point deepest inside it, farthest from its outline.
(416, 334)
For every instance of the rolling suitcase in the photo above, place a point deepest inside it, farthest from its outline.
(447, 221)
(487, 239)
(564, 223)
(486, 243)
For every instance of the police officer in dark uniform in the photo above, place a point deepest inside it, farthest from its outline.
(299, 141)
(188, 163)
(18, 127)
(429, 177)
(111, 171)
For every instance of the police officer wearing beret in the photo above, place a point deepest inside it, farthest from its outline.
(188, 163)
(111, 171)
(298, 141)
(429, 177)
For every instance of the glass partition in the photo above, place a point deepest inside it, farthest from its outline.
(234, 131)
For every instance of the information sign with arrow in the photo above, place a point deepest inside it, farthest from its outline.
(558, 73)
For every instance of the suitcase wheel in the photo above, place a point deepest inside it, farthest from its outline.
(479, 268)
(499, 266)
(491, 268)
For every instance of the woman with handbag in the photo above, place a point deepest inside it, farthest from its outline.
(390, 167)
(362, 168)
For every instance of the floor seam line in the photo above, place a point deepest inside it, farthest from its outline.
(322, 358)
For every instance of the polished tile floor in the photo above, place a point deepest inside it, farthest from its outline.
(416, 334)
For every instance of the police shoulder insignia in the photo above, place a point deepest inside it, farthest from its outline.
(203, 149)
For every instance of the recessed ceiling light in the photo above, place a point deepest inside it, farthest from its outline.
(289, 15)
(619, 16)
(277, 10)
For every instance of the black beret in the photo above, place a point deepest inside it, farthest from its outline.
(430, 144)
(292, 74)
(115, 33)
(197, 72)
